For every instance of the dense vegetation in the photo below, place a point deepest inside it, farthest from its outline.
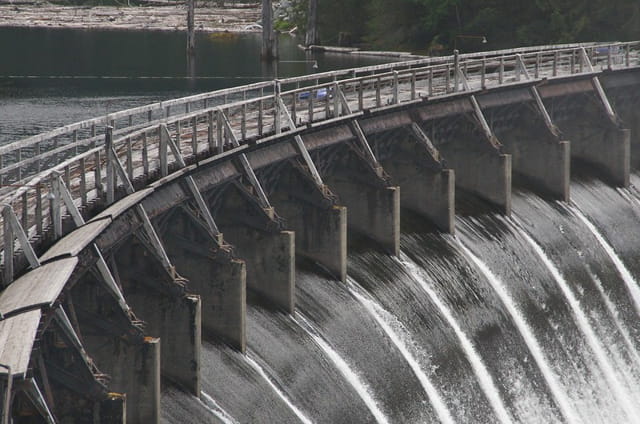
(438, 25)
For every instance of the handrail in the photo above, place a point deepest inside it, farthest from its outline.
(139, 147)
(71, 131)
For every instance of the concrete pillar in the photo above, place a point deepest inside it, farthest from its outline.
(373, 205)
(270, 261)
(319, 224)
(135, 371)
(177, 322)
(609, 151)
(481, 170)
(258, 238)
(373, 211)
(168, 311)
(214, 274)
(595, 139)
(112, 410)
(426, 187)
(538, 156)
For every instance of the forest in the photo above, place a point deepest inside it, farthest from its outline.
(438, 26)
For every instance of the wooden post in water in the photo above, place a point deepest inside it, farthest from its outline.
(269, 45)
(311, 36)
(191, 36)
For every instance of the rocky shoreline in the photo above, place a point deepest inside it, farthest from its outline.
(234, 18)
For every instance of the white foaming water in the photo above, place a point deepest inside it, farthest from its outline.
(628, 279)
(279, 392)
(613, 311)
(402, 341)
(213, 407)
(347, 372)
(584, 325)
(559, 395)
(484, 377)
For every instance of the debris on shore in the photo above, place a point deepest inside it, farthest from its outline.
(235, 17)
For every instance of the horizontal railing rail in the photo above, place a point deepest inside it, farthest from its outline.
(158, 138)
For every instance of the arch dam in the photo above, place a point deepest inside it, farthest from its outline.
(128, 238)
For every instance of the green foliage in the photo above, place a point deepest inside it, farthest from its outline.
(440, 24)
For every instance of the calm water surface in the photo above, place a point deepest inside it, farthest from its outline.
(53, 77)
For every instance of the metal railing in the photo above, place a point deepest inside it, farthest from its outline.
(42, 174)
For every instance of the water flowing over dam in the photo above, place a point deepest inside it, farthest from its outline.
(451, 241)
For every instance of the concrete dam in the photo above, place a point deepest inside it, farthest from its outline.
(447, 240)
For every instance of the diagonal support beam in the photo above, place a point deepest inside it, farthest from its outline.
(302, 149)
(146, 222)
(597, 86)
(543, 112)
(483, 122)
(262, 197)
(193, 188)
(584, 57)
(11, 222)
(34, 394)
(356, 129)
(342, 98)
(103, 269)
(602, 96)
(426, 141)
(65, 324)
(521, 68)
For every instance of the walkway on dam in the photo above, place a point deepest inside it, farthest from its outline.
(74, 177)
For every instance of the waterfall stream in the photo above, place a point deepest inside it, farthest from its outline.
(531, 319)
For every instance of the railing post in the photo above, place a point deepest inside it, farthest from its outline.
(219, 131)
(627, 47)
(413, 84)
(483, 74)
(162, 149)
(501, 71)
(276, 107)
(210, 138)
(108, 145)
(556, 58)
(336, 100)
(261, 112)
(456, 70)
(396, 88)
(609, 61)
(8, 252)
(145, 155)
(56, 215)
(83, 182)
(39, 220)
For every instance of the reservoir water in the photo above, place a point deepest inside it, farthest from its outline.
(53, 77)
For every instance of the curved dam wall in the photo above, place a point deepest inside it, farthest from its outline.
(150, 241)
